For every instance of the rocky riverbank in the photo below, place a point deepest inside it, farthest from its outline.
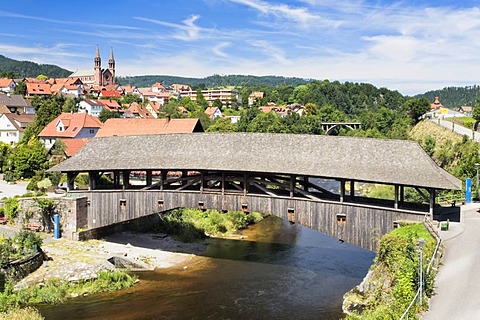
(76, 260)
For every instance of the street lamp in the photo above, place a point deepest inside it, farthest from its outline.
(421, 242)
(477, 166)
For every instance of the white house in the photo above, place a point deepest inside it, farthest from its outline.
(13, 125)
(7, 85)
(91, 107)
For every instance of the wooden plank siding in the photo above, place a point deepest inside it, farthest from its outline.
(363, 227)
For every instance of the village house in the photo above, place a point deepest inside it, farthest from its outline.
(131, 127)
(176, 87)
(254, 96)
(213, 112)
(136, 110)
(69, 126)
(38, 89)
(154, 108)
(13, 125)
(14, 103)
(92, 107)
(7, 85)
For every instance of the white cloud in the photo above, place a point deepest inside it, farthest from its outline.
(218, 49)
(187, 31)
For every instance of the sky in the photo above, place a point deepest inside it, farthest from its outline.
(411, 46)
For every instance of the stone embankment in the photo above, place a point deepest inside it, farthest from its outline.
(77, 260)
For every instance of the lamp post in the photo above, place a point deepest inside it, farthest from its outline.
(477, 166)
(421, 242)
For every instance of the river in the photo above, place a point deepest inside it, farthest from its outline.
(277, 271)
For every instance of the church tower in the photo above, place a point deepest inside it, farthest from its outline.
(111, 65)
(97, 70)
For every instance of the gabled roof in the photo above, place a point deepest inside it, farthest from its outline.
(156, 106)
(210, 111)
(398, 162)
(110, 93)
(20, 121)
(94, 102)
(38, 88)
(5, 82)
(74, 122)
(72, 146)
(135, 126)
(82, 73)
(13, 100)
(135, 109)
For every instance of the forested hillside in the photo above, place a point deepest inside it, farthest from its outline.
(212, 81)
(455, 96)
(22, 69)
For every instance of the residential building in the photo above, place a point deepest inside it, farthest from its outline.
(180, 87)
(98, 76)
(133, 126)
(13, 125)
(154, 108)
(226, 96)
(15, 103)
(38, 89)
(69, 126)
(254, 96)
(92, 107)
(135, 110)
(110, 94)
(213, 112)
(7, 85)
(436, 104)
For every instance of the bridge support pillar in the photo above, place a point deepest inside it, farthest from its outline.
(396, 197)
(352, 189)
(342, 190)
(245, 184)
(126, 179)
(163, 177)
(223, 183)
(293, 179)
(432, 203)
(71, 180)
(202, 181)
(149, 178)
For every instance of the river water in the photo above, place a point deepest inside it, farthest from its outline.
(277, 271)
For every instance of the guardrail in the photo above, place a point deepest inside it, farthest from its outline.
(434, 234)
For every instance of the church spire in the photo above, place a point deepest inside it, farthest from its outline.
(111, 65)
(97, 70)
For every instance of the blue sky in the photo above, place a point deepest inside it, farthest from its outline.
(410, 46)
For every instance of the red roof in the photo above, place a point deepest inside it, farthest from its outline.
(135, 126)
(210, 111)
(38, 88)
(73, 123)
(71, 146)
(436, 104)
(5, 82)
(110, 93)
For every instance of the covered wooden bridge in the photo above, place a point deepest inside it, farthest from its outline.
(311, 180)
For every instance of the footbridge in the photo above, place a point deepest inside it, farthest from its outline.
(329, 127)
(315, 181)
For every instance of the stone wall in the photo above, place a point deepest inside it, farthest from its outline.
(18, 270)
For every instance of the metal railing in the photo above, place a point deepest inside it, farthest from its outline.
(434, 234)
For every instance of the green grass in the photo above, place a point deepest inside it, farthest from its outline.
(467, 122)
(395, 274)
(55, 291)
(189, 225)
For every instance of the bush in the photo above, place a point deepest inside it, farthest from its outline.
(11, 207)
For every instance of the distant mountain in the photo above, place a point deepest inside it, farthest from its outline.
(23, 69)
(212, 81)
(454, 96)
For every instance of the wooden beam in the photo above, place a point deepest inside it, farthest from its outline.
(432, 203)
(71, 180)
(395, 203)
(293, 179)
(402, 194)
(245, 184)
(149, 177)
(352, 189)
(223, 183)
(202, 181)
(264, 189)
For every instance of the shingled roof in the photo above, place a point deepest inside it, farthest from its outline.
(371, 160)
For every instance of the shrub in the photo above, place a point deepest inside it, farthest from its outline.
(11, 207)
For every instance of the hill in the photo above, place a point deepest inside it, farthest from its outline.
(455, 96)
(22, 69)
(212, 81)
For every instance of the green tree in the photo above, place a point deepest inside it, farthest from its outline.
(42, 77)
(21, 88)
(476, 113)
(415, 108)
(131, 98)
(106, 114)
(217, 103)
(5, 150)
(201, 101)
(47, 109)
(221, 125)
(26, 159)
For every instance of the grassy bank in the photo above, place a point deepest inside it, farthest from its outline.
(189, 225)
(392, 281)
(56, 291)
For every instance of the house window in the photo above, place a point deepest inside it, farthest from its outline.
(92, 131)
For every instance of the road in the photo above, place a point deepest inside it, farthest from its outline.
(458, 129)
(457, 293)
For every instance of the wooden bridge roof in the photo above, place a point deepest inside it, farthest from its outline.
(398, 162)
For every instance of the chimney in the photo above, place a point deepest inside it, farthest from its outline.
(168, 118)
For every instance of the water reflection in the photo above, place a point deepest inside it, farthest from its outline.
(277, 271)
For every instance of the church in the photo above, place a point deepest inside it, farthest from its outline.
(99, 77)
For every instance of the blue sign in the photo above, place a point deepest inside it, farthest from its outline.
(468, 190)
